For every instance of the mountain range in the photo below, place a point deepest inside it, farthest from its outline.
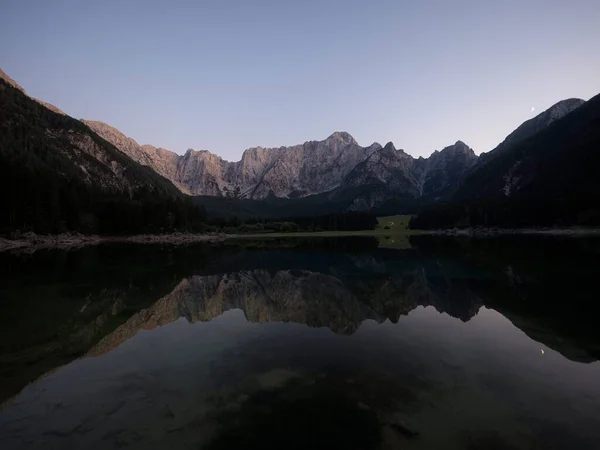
(335, 174)
(332, 175)
(332, 166)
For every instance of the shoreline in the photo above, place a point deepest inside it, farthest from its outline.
(32, 242)
(469, 232)
(492, 232)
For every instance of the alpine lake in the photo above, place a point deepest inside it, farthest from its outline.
(411, 342)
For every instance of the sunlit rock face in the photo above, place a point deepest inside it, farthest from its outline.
(300, 170)
(337, 166)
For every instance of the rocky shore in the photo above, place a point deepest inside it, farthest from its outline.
(173, 238)
(30, 242)
(490, 232)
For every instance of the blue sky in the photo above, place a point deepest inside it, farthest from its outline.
(227, 75)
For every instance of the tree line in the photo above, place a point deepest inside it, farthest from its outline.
(345, 221)
(37, 200)
(43, 189)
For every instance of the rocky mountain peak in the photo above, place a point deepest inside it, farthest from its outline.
(390, 147)
(203, 155)
(342, 137)
(563, 108)
(459, 148)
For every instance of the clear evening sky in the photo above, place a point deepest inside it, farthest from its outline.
(227, 75)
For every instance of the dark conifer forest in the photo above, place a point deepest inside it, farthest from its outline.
(44, 160)
(550, 179)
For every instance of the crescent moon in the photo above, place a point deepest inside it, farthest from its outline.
(532, 109)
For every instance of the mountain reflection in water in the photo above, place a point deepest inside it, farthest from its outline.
(303, 342)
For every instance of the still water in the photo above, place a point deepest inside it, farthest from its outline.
(439, 343)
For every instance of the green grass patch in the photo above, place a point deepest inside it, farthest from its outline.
(393, 223)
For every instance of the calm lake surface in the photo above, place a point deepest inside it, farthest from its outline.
(436, 343)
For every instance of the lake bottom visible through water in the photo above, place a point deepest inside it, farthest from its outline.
(445, 345)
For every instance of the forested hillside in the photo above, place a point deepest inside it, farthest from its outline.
(57, 175)
(549, 179)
